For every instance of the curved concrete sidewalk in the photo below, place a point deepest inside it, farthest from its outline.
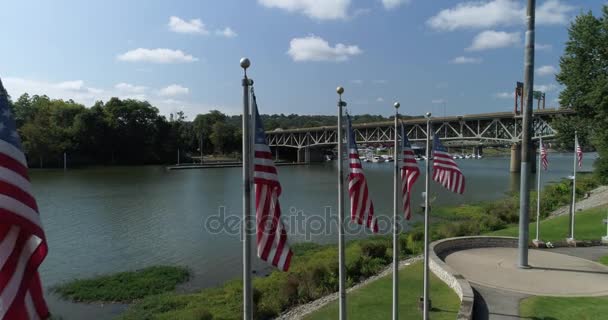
(552, 274)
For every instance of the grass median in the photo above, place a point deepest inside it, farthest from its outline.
(374, 300)
(542, 308)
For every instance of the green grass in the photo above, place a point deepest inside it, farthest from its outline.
(604, 260)
(553, 308)
(588, 226)
(374, 300)
(124, 286)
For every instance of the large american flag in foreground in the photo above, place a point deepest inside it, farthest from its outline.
(272, 243)
(543, 156)
(361, 206)
(445, 169)
(22, 242)
(579, 152)
(409, 173)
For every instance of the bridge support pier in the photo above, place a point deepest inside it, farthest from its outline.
(515, 158)
(307, 155)
(276, 154)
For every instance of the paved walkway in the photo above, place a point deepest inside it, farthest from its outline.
(499, 285)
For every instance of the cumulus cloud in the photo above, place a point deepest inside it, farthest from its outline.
(226, 32)
(316, 9)
(491, 39)
(483, 15)
(546, 71)
(127, 87)
(545, 87)
(173, 90)
(392, 4)
(466, 60)
(196, 26)
(159, 55)
(313, 48)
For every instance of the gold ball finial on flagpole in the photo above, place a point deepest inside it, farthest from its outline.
(340, 90)
(396, 105)
(245, 63)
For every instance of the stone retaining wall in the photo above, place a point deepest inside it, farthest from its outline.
(440, 249)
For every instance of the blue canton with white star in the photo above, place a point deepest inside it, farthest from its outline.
(437, 146)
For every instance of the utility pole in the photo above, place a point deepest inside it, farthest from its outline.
(524, 191)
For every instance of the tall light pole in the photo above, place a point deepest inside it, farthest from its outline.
(524, 191)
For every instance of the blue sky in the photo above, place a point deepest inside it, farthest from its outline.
(464, 56)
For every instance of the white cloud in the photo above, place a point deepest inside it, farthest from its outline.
(177, 24)
(392, 4)
(542, 46)
(130, 88)
(226, 32)
(503, 95)
(553, 12)
(316, 9)
(76, 85)
(379, 99)
(546, 70)
(159, 55)
(173, 90)
(313, 48)
(488, 14)
(466, 60)
(491, 39)
(545, 87)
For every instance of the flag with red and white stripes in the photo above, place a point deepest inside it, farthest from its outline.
(445, 169)
(23, 244)
(272, 245)
(579, 152)
(361, 205)
(543, 156)
(409, 173)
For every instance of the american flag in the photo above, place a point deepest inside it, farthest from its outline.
(579, 152)
(409, 173)
(272, 243)
(23, 244)
(361, 206)
(543, 156)
(445, 169)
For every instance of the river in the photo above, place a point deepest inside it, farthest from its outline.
(108, 219)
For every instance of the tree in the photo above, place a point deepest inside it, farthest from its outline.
(584, 73)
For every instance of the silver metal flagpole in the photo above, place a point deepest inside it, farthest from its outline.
(574, 186)
(341, 257)
(427, 188)
(247, 290)
(538, 172)
(396, 228)
(524, 189)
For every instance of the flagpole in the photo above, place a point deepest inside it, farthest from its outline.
(426, 217)
(247, 290)
(538, 172)
(396, 228)
(574, 186)
(341, 257)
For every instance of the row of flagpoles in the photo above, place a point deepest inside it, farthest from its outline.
(271, 236)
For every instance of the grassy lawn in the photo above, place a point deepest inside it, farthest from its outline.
(124, 286)
(544, 308)
(604, 260)
(374, 300)
(588, 226)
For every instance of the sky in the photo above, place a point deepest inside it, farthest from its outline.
(440, 56)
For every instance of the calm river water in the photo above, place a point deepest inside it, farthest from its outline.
(108, 219)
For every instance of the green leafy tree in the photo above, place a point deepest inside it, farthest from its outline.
(584, 73)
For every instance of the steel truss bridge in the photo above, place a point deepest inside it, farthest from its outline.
(489, 129)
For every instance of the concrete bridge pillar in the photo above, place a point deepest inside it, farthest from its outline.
(515, 158)
(276, 154)
(480, 150)
(299, 154)
(307, 155)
